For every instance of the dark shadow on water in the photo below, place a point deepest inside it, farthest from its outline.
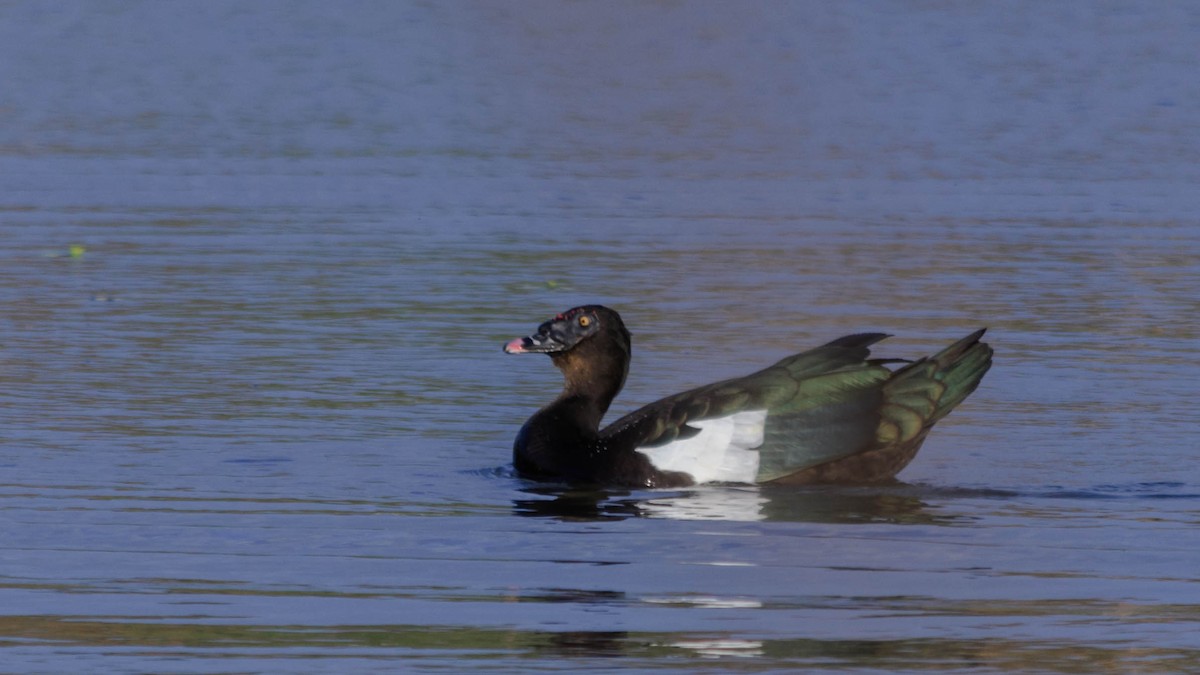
(576, 504)
(896, 503)
(586, 643)
(892, 503)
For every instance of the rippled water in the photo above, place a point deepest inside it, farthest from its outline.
(257, 262)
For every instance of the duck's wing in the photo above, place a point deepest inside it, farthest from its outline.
(807, 409)
(828, 408)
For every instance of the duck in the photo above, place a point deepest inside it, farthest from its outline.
(831, 414)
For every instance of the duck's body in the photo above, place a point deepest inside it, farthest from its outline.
(830, 414)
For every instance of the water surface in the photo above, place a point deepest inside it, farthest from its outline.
(257, 263)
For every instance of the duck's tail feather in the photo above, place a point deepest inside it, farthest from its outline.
(926, 390)
(967, 361)
(906, 405)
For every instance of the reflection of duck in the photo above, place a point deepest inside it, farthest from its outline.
(573, 504)
(830, 414)
(712, 502)
(707, 503)
(896, 503)
(893, 503)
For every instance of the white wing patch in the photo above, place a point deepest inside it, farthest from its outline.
(722, 452)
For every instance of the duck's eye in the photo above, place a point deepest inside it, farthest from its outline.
(585, 321)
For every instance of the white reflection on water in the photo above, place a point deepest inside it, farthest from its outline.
(706, 602)
(716, 648)
(709, 503)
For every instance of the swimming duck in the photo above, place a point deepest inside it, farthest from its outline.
(827, 415)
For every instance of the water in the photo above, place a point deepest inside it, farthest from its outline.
(258, 419)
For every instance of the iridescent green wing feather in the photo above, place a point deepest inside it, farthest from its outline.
(802, 386)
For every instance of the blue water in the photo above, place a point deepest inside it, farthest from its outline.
(257, 262)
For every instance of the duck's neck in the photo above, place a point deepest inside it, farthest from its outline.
(592, 379)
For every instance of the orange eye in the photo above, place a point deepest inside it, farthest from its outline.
(585, 321)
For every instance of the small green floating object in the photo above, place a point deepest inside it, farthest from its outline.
(551, 284)
(76, 250)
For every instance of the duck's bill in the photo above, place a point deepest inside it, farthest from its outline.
(540, 343)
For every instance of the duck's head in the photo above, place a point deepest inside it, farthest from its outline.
(591, 347)
(588, 324)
